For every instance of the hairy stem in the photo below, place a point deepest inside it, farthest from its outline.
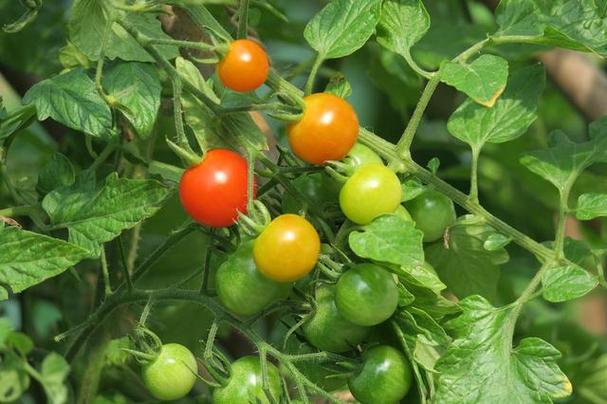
(313, 72)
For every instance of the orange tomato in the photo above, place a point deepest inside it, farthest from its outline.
(288, 249)
(245, 67)
(327, 131)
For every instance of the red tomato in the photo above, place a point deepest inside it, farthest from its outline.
(245, 67)
(327, 130)
(214, 191)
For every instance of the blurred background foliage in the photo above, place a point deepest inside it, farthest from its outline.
(384, 92)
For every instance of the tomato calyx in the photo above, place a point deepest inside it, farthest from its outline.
(255, 221)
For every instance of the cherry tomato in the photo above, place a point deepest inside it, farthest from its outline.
(360, 155)
(245, 383)
(245, 67)
(172, 374)
(327, 130)
(403, 213)
(214, 191)
(385, 376)
(242, 288)
(287, 249)
(371, 191)
(432, 212)
(366, 295)
(316, 187)
(328, 330)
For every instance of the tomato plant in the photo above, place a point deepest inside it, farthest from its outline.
(327, 329)
(433, 213)
(384, 377)
(214, 191)
(287, 249)
(244, 67)
(381, 199)
(245, 383)
(366, 295)
(172, 374)
(242, 288)
(373, 190)
(327, 130)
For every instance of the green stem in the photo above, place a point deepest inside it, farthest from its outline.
(105, 153)
(107, 288)
(124, 264)
(243, 17)
(184, 44)
(25, 210)
(404, 144)
(99, 69)
(313, 72)
(474, 174)
(559, 240)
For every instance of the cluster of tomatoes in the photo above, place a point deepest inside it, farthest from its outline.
(263, 271)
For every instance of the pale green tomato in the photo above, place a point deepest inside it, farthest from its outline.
(172, 374)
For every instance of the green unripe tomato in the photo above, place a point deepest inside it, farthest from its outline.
(403, 213)
(328, 330)
(172, 374)
(245, 383)
(242, 288)
(317, 187)
(432, 212)
(360, 155)
(373, 190)
(366, 295)
(384, 378)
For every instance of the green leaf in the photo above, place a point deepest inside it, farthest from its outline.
(401, 25)
(496, 242)
(565, 160)
(53, 375)
(58, 172)
(566, 283)
(72, 99)
(71, 57)
(14, 381)
(591, 385)
(481, 366)
(95, 215)
(464, 264)
(137, 87)
(411, 189)
(578, 25)
(390, 239)
(28, 258)
(483, 80)
(16, 121)
(509, 118)
(339, 86)
(590, 206)
(342, 27)
(87, 24)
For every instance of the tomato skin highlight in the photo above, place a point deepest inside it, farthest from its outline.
(432, 212)
(245, 67)
(373, 190)
(366, 295)
(327, 130)
(287, 249)
(328, 330)
(215, 190)
(172, 374)
(385, 376)
(242, 288)
(245, 383)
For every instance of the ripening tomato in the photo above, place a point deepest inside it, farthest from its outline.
(432, 212)
(373, 190)
(172, 374)
(288, 249)
(215, 190)
(245, 383)
(327, 130)
(245, 67)
(328, 330)
(385, 376)
(242, 288)
(361, 155)
(366, 294)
